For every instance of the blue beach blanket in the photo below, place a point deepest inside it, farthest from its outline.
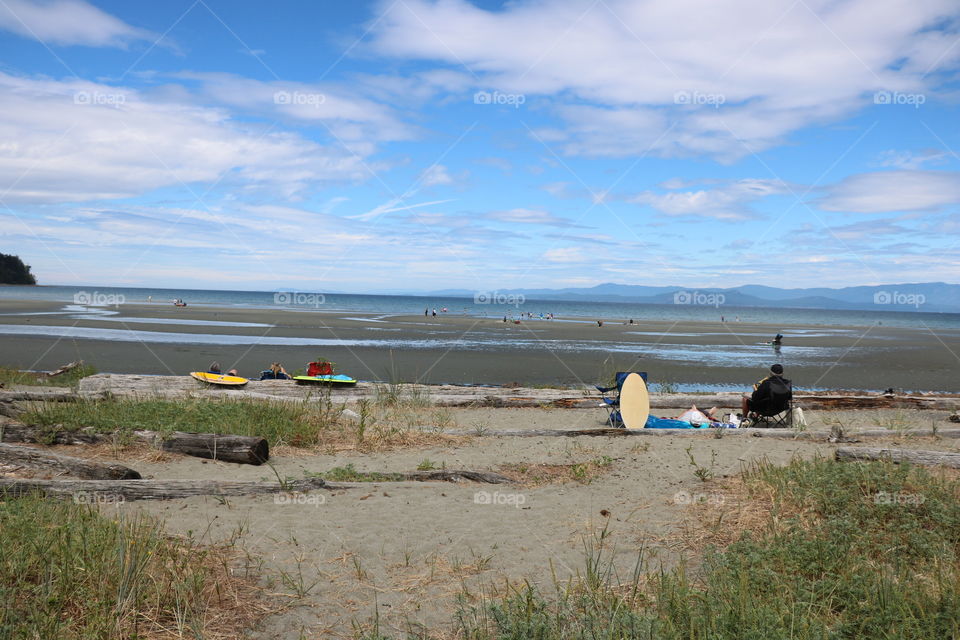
(653, 422)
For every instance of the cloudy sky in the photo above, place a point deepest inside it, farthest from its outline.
(426, 144)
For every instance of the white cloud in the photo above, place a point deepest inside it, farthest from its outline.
(889, 191)
(685, 76)
(726, 202)
(527, 216)
(564, 255)
(67, 22)
(76, 141)
(912, 160)
(435, 175)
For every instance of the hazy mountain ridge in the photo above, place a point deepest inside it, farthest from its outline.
(923, 296)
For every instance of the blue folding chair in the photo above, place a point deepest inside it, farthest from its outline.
(612, 403)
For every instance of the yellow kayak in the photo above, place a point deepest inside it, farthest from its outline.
(216, 378)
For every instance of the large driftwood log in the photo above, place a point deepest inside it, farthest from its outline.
(114, 491)
(55, 463)
(47, 395)
(789, 434)
(239, 449)
(915, 456)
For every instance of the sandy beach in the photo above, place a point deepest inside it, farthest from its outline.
(470, 350)
(401, 553)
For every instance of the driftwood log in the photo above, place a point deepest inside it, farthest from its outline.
(51, 462)
(914, 456)
(64, 369)
(115, 491)
(239, 449)
(788, 434)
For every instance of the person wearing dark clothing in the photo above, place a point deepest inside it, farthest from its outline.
(777, 339)
(769, 394)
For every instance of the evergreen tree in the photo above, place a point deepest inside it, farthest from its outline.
(13, 271)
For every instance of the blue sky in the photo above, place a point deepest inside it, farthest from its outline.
(420, 144)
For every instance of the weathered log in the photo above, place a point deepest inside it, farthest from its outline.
(914, 456)
(115, 491)
(64, 369)
(456, 475)
(9, 410)
(55, 463)
(788, 434)
(48, 395)
(226, 448)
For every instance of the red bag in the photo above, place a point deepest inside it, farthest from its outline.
(320, 369)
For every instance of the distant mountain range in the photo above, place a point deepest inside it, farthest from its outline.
(922, 296)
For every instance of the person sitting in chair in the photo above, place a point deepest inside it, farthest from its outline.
(770, 395)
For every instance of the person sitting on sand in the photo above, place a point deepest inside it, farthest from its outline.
(214, 368)
(279, 373)
(767, 392)
(695, 416)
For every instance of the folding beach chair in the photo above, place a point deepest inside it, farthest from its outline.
(777, 410)
(612, 402)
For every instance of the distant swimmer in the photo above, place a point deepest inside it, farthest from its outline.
(777, 339)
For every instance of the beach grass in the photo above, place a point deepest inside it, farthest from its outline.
(68, 572)
(814, 549)
(314, 422)
(11, 377)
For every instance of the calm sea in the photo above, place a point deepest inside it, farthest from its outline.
(562, 309)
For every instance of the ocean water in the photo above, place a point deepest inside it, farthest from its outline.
(564, 310)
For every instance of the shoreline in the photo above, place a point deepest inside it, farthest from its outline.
(462, 349)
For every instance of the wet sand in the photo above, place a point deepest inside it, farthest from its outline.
(462, 349)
